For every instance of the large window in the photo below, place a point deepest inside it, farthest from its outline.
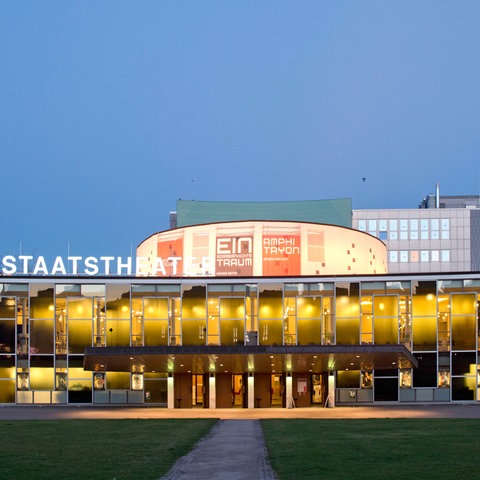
(347, 313)
(425, 375)
(270, 315)
(194, 315)
(118, 313)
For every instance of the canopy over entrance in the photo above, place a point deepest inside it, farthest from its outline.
(256, 359)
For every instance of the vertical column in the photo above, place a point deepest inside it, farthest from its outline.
(211, 391)
(288, 391)
(331, 390)
(251, 391)
(170, 392)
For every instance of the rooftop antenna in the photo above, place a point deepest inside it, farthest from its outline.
(437, 195)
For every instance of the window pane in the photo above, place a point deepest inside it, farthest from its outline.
(309, 332)
(308, 307)
(463, 332)
(7, 336)
(386, 331)
(7, 307)
(155, 308)
(424, 333)
(41, 336)
(425, 375)
(348, 331)
(156, 332)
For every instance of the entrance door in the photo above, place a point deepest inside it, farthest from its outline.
(277, 389)
(319, 389)
(238, 390)
(197, 390)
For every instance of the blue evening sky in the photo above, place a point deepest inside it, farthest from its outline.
(112, 110)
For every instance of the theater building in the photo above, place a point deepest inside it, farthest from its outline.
(247, 314)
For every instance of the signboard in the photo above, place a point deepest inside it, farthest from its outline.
(281, 255)
(234, 256)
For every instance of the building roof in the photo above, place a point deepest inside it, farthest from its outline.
(333, 212)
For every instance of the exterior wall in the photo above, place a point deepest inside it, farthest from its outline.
(421, 240)
(451, 201)
(475, 239)
(45, 325)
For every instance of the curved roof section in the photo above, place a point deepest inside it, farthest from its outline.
(332, 212)
(267, 248)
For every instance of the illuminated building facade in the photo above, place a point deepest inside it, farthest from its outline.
(239, 342)
(244, 313)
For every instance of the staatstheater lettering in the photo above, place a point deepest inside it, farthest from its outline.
(90, 266)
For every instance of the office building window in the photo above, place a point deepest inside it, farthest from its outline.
(424, 256)
(445, 255)
(435, 256)
(393, 255)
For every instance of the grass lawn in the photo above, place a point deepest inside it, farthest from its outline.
(95, 449)
(374, 448)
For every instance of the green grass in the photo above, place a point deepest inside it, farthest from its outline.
(95, 449)
(374, 448)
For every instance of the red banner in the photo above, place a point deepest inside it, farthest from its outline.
(281, 255)
(171, 254)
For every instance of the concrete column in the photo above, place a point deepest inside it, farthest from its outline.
(331, 390)
(211, 391)
(170, 392)
(289, 391)
(251, 391)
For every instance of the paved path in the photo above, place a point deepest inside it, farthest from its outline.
(233, 450)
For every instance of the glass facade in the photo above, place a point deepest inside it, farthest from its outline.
(47, 326)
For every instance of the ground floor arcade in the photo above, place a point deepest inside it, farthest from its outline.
(248, 377)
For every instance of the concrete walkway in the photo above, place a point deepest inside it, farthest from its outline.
(232, 450)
